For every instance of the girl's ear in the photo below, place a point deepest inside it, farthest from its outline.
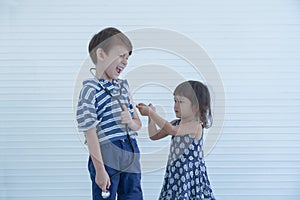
(100, 54)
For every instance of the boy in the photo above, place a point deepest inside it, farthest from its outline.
(110, 122)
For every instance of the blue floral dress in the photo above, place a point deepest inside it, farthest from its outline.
(186, 176)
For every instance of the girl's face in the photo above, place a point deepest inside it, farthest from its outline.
(183, 108)
(116, 61)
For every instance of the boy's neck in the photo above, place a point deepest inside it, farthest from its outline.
(100, 74)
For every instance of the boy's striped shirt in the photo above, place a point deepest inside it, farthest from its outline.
(97, 109)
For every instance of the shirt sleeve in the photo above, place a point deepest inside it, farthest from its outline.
(86, 111)
(126, 86)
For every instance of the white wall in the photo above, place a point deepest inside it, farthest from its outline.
(254, 44)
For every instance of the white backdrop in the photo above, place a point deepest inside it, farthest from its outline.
(254, 44)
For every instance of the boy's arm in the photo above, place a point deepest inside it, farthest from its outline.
(87, 122)
(102, 178)
(134, 122)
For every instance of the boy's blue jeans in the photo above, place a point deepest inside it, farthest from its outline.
(117, 155)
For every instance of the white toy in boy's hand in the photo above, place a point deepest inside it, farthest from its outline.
(105, 195)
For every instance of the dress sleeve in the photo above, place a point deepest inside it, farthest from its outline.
(86, 111)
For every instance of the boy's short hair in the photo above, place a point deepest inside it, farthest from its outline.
(106, 39)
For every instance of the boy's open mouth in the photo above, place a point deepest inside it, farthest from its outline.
(118, 69)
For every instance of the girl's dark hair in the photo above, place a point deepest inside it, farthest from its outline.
(106, 39)
(199, 96)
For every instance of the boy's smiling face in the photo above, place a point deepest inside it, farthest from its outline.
(115, 62)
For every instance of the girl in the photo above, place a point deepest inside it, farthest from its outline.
(186, 176)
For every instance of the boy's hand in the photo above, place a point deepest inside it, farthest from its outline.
(126, 116)
(102, 180)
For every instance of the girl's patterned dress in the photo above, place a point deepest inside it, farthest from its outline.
(186, 176)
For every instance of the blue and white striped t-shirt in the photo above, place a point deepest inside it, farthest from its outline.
(97, 109)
